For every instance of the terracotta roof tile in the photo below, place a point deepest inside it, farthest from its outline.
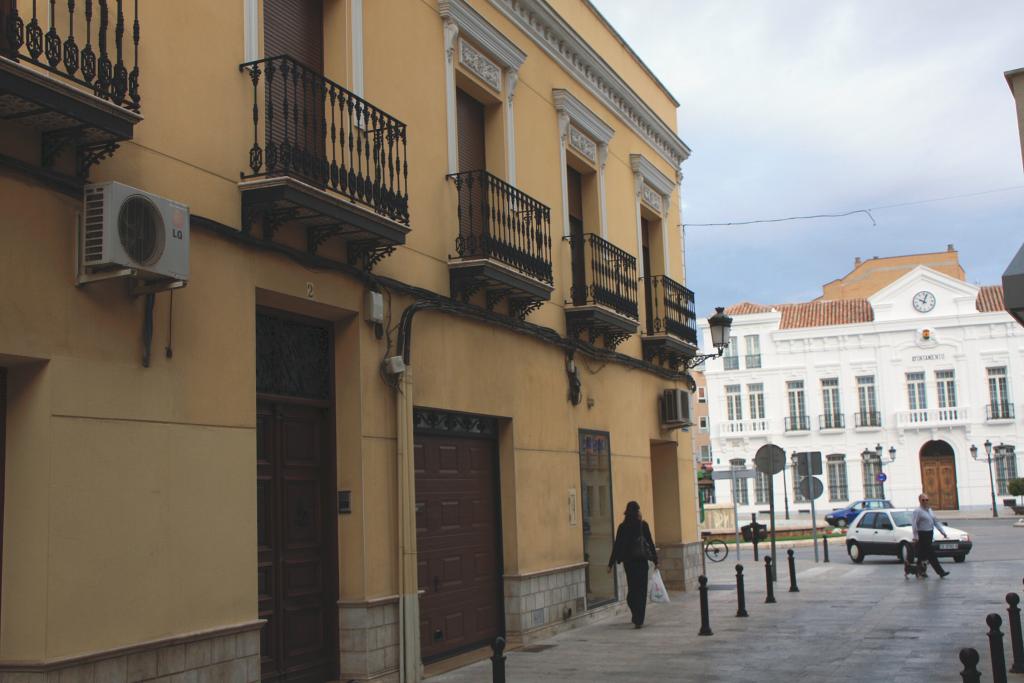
(822, 313)
(990, 299)
(747, 308)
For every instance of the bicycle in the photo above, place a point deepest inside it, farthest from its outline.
(715, 550)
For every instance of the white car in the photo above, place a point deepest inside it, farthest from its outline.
(888, 532)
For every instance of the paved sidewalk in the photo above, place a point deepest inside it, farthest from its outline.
(848, 623)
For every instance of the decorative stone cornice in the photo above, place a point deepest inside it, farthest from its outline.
(581, 115)
(476, 28)
(543, 25)
(651, 175)
(477, 62)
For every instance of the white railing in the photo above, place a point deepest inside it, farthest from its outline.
(931, 417)
(736, 427)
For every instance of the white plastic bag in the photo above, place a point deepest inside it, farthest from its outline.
(656, 588)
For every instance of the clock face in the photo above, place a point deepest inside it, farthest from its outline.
(924, 302)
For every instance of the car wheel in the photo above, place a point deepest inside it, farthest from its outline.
(959, 558)
(856, 554)
(903, 552)
(841, 523)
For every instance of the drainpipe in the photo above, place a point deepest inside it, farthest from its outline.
(410, 664)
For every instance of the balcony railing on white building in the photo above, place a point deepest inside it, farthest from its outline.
(742, 427)
(931, 417)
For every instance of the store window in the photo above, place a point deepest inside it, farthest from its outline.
(598, 517)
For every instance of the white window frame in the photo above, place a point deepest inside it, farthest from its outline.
(650, 183)
(463, 22)
(838, 486)
(573, 114)
(740, 490)
(998, 385)
(755, 394)
(702, 421)
(702, 395)
(734, 402)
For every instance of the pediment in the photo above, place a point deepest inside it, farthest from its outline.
(948, 296)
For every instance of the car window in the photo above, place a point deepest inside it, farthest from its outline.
(868, 520)
(887, 504)
(857, 506)
(875, 504)
(901, 518)
(882, 521)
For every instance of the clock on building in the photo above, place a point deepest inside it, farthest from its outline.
(924, 301)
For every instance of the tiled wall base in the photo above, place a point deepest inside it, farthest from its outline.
(538, 605)
(680, 565)
(368, 633)
(229, 655)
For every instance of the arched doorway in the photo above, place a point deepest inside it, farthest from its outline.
(938, 475)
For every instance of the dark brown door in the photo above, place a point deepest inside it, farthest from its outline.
(574, 191)
(938, 474)
(645, 228)
(297, 136)
(294, 544)
(457, 544)
(472, 157)
(3, 463)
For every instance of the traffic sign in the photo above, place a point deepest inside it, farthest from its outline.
(882, 477)
(808, 461)
(811, 488)
(731, 474)
(770, 459)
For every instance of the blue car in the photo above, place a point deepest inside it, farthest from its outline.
(843, 516)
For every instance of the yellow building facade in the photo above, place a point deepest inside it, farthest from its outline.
(434, 303)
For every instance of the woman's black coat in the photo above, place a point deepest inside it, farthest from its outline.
(626, 537)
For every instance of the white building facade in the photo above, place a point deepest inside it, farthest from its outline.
(921, 371)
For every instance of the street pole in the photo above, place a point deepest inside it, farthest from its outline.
(991, 484)
(785, 498)
(814, 521)
(771, 508)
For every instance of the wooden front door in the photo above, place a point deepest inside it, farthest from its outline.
(938, 476)
(574, 192)
(457, 544)
(295, 488)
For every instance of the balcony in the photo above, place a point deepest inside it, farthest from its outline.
(868, 420)
(926, 418)
(753, 361)
(604, 291)
(324, 163)
(831, 421)
(504, 244)
(743, 427)
(798, 423)
(730, 362)
(65, 79)
(671, 335)
(998, 412)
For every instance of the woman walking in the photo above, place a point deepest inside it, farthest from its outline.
(634, 548)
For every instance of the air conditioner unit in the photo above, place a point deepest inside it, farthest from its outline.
(130, 233)
(675, 408)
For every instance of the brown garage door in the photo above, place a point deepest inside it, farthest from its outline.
(457, 543)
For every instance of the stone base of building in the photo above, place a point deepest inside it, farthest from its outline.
(226, 655)
(368, 633)
(680, 565)
(540, 604)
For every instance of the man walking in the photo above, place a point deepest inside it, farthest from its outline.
(924, 524)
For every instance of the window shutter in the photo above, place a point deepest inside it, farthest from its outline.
(471, 133)
(295, 28)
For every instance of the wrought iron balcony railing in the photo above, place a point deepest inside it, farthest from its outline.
(731, 362)
(831, 421)
(999, 411)
(308, 127)
(499, 222)
(83, 43)
(798, 423)
(868, 419)
(753, 361)
(604, 274)
(670, 308)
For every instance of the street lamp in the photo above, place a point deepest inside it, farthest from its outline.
(991, 480)
(720, 324)
(876, 454)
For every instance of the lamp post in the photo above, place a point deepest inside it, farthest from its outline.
(719, 325)
(876, 454)
(991, 480)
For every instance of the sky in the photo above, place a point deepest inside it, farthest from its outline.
(797, 107)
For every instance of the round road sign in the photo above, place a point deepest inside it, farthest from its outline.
(770, 459)
(882, 477)
(811, 488)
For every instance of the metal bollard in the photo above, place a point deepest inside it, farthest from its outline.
(768, 578)
(741, 598)
(824, 547)
(1016, 640)
(498, 660)
(995, 647)
(792, 572)
(969, 657)
(705, 626)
